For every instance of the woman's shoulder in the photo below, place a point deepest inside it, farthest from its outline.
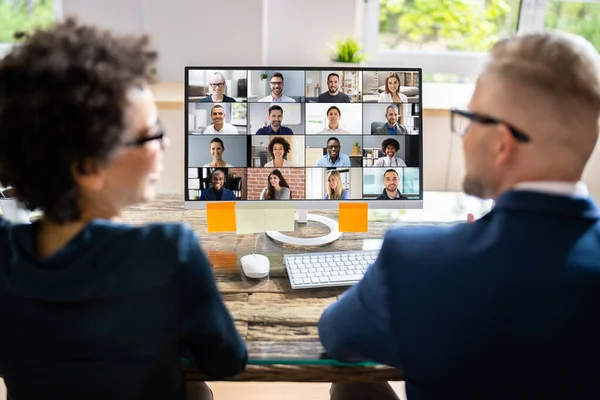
(385, 97)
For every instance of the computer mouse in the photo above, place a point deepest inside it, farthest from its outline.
(255, 265)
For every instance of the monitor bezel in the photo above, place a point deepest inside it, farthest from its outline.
(305, 204)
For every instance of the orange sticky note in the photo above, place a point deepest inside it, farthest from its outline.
(354, 217)
(220, 217)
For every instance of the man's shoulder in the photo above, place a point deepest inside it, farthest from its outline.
(419, 244)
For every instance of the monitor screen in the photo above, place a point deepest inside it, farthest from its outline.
(304, 135)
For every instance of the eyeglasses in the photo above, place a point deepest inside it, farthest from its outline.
(334, 147)
(461, 119)
(160, 135)
(217, 84)
(277, 83)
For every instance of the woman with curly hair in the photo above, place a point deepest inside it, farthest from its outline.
(279, 149)
(93, 308)
(277, 188)
(390, 147)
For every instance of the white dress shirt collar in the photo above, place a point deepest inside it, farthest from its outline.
(562, 188)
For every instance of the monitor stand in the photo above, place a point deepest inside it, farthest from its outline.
(302, 216)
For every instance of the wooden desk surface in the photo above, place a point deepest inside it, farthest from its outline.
(274, 320)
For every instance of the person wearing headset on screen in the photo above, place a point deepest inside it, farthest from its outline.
(335, 191)
(333, 121)
(217, 86)
(391, 182)
(277, 188)
(390, 147)
(277, 95)
(217, 114)
(279, 149)
(218, 191)
(333, 95)
(391, 127)
(334, 156)
(217, 148)
(391, 93)
(275, 127)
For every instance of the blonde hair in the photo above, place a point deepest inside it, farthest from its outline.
(561, 65)
(337, 194)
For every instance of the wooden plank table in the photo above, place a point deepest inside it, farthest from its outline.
(278, 323)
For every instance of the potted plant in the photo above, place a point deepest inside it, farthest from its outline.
(347, 51)
(356, 149)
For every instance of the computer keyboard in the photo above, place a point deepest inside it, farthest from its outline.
(340, 268)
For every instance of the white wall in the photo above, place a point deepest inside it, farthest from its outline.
(297, 32)
(185, 32)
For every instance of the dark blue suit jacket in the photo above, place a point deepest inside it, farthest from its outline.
(209, 194)
(507, 307)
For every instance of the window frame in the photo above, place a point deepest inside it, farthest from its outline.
(464, 63)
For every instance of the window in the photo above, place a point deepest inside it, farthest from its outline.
(449, 38)
(579, 17)
(24, 15)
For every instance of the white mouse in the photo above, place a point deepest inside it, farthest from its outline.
(255, 265)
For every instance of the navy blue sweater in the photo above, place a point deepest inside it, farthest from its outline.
(110, 314)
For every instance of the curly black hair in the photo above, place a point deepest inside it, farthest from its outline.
(390, 141)
(62, 101)
(282, 141)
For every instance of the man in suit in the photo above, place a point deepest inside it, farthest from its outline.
(507, 307)
(391, 127)
(218, 191)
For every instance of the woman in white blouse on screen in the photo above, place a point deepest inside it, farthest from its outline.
(391, 92)
(279, 148)
(390, 147)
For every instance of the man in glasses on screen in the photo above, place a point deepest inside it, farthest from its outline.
(506, 307)
(218, 87)
(277, 95)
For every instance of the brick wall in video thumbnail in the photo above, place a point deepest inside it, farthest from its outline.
(257, 181)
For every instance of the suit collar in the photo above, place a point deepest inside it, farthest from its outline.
(527, 200)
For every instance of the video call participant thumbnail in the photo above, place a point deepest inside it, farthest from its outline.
(335, 190)
(391, 126)
(334, 156)
(217, 148)
(218, 86)
(391, 182)
(390, 147)
(279, 149)
(333, 95)
(277, 95)
(219, 126)
(277, 188)
(217, 191)
(275, 120)
(391, 93)
(333, 121)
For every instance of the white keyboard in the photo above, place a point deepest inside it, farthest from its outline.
(340, 268)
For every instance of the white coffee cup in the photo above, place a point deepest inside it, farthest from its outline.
(14, 211)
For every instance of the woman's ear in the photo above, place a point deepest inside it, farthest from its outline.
(88, 175)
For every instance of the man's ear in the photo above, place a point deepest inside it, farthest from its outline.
(506, 145)
(89, 175)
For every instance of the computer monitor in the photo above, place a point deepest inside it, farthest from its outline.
(311, 136)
